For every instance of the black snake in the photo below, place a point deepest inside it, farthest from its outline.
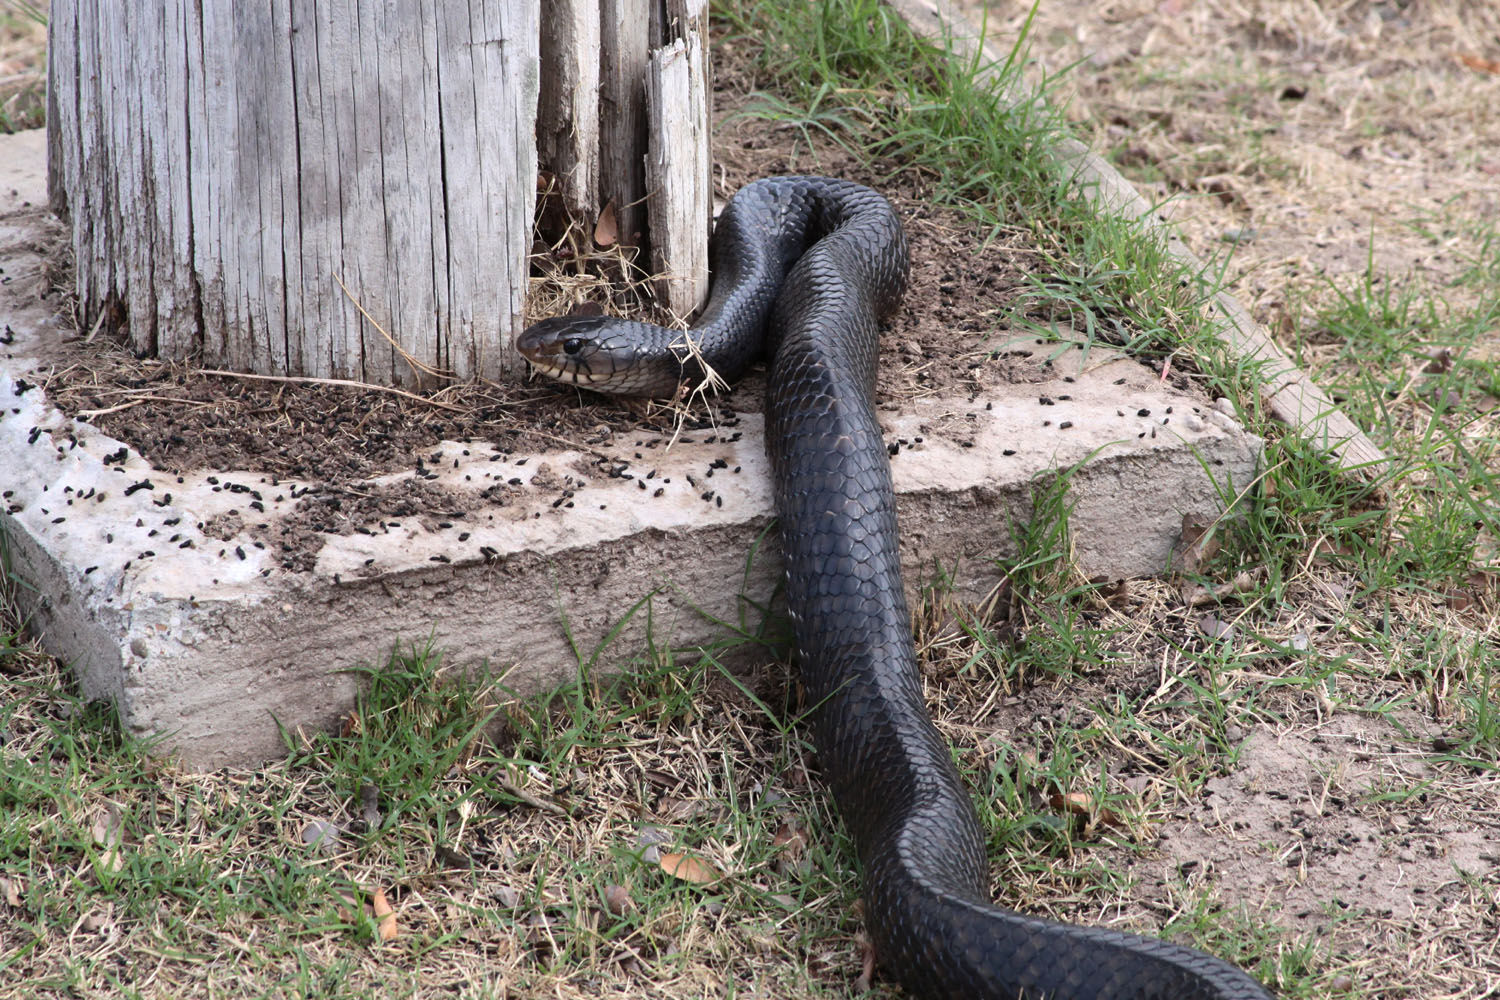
(805, 268)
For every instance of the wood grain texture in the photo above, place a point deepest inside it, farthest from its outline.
(1290, 394)
(568, 111)
(226, 165)
(678, 164)
(624, 37)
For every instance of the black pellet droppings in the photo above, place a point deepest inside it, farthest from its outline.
(736, 470)
(213, 480)
(520, 461)
(256, 504)
(709, 495)
(1119, 381)
(439, 558)
(1046, 423)
(658, 492)
(496, 458)
(1008, 451)
(1046, 401)
(1143, 412)
(186, 545)
(719, 501)
(463, 536)
(369, 560)
(1169, 409)
(144, 484)
(172, 522)
(36, 432)
(892, 448)
(239, 550)
(444, 524)
(1065, 425)
(89, 570)
(59, 519)
(558, 502)
(514, 481)
(1061, 396)
(641, 483)
(989, 406)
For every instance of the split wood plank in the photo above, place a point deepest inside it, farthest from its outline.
(678, 163)
(226, 168)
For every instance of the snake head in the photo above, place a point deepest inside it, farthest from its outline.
(602, 353)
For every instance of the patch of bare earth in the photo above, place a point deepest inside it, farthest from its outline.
(1300, 144)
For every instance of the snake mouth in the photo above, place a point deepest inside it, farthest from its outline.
(565, 372)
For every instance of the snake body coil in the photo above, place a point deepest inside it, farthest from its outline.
(805, 268)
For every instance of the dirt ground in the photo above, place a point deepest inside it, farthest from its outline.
(1316, 141)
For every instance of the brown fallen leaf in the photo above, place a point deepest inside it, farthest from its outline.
(107, 831)
(1476, 63)
(1215, 627)
(607, 229)
(10, 891)
(1083, 804)
(617, 899)
(791, 840)
(867, 959)
(1439, 360)
(689, 868)
(1197, 544)
(385, 916)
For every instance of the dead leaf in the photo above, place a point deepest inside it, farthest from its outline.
(385, 916)
(1197, 544)
(1215, 627)
(867, 959)
(10, 891)
(791, 840)
(1077, 803)
(369, 806)
(617, 899)
(689, 868)
(1458, 599)
(320, 834)
(107, 833)
(607, 230)
(1481, 65)
(1439, 360)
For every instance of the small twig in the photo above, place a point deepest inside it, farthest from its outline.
(142, 399)
(531, 800)
(344, 382)
(416, 366)
(110, 409)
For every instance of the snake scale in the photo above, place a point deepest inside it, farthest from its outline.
(804, 269)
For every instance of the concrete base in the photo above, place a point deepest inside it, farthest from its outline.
(197, 632)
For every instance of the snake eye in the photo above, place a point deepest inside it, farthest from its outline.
(572, 345)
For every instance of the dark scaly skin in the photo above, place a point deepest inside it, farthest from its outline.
(832, 258)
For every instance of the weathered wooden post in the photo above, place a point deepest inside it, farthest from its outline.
(340, 189)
